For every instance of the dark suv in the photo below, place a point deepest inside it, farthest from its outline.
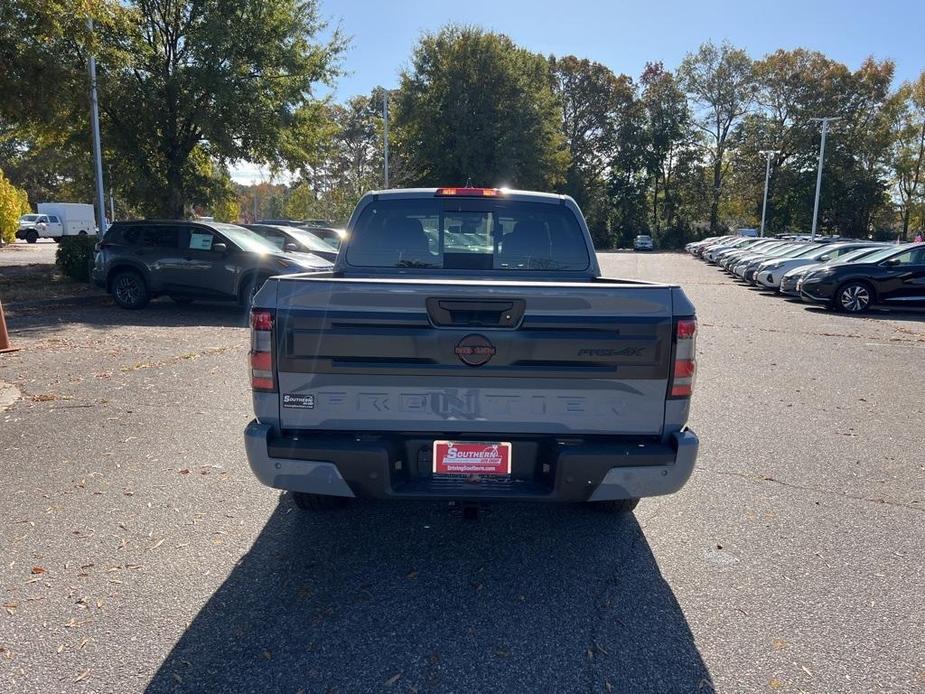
(139, 260)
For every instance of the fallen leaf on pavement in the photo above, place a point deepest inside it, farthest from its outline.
(38, 569)
(184, 471)
(393, 679)
(82, 676)
(158, 543)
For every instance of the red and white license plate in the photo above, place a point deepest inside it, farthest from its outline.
(472, 458)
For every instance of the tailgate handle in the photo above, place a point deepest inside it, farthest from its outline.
(482, 313)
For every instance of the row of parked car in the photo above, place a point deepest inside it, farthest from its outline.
(137, 261)
(843, 274)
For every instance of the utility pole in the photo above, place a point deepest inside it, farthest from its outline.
(97, 150)
(767, 154)
(825, 128)
(385, 136)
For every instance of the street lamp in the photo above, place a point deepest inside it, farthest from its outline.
(825, 128)
(767, 154)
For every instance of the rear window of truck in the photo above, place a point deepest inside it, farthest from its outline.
(467, 234)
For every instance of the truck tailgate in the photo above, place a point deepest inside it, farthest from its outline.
(423, 355)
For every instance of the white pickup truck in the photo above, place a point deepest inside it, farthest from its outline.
(56, 220)
(465, 347)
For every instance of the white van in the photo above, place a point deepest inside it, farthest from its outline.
(57, 219)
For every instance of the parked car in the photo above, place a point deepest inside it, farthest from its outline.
(57, 219)
(746, 266)
(293, 239)
(789, 285)
(465, 347)
(329, 235)
(770, 272)
(139, 260)
(893, 276)
(643, 242)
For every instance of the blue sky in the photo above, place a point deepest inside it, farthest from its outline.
(625, 35)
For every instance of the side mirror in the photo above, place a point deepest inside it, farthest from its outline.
(825, 258)
(289, 247)
(891, 262)
(220, 247)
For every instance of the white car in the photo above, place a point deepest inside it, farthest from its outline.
(771, 272)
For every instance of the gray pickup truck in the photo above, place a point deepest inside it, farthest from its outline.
(465, 347)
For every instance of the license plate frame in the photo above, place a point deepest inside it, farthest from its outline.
(484, 458)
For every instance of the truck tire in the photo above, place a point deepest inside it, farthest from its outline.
(616, 506)
(32, 236)
(317, 502)
(129, 289)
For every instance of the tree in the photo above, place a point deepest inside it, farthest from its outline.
(474, 106)
(907, 154)
(596, 105)
(720, 81)
(13, 204)
(179, 80)
(669, 138)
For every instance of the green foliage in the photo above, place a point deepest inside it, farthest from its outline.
(75, 256)
(474, 106)
(13, 204)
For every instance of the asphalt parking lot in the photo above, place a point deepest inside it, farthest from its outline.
(139, 554)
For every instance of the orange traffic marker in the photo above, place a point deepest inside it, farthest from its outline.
(4, 335)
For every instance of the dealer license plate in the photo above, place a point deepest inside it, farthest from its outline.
(472, 458)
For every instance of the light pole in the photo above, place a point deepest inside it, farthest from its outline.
(112, 204)
(385, 136)
(825, 128)
(97, 150)
(767, 154)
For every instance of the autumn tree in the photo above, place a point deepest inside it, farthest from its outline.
(907, 153)
(720, 82)
(669, 141)
(599, 113)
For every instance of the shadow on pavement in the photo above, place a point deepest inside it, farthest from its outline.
(410, 597)
(911, 315)
(104, 314)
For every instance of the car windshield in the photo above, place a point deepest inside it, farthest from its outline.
(468, 234)
(28, 218)
(812, 251)
(245, 238)
(643, 238)
(885, 253)
(308, 239)
(854, 255)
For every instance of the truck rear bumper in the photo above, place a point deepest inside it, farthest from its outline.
(399, 466)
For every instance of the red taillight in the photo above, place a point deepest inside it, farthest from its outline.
(684, 368)
(263, 376)
(469, 192)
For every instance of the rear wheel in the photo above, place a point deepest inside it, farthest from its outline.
(854, 297)
(129, 290)
(317, 502)
(615, 505)
(32, 236)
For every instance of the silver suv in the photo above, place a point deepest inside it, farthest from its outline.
(139, 260)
